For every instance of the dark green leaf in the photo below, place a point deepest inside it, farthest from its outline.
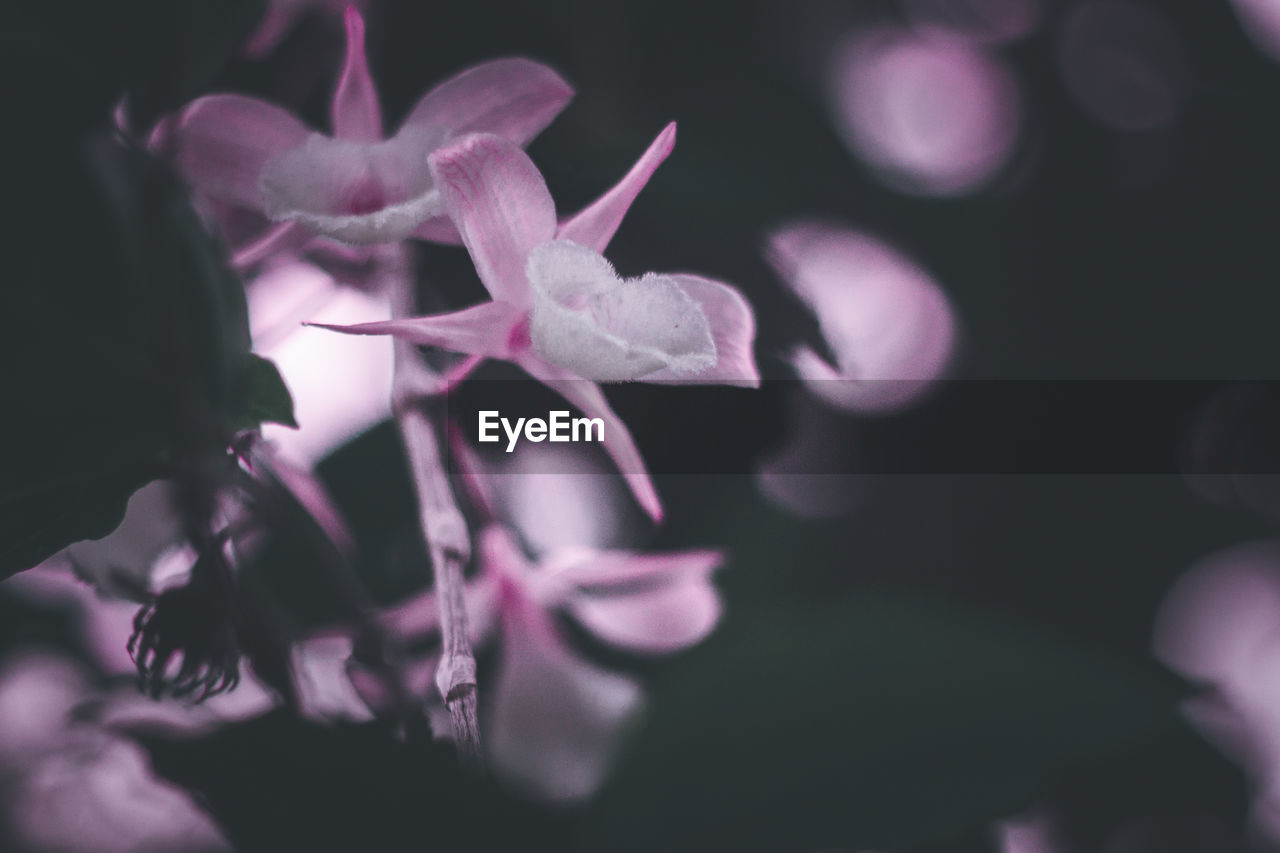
(127, 334)
(869, 724)
(266, 397)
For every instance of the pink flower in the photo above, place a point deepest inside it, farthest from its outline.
(356, 186)
(890, 327)
(558, 308)
(554, 717)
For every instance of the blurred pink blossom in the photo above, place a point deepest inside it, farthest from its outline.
(932, 115)
(1122, 64)
(1220, 625)
(356, 186)
(889, 326)
(340, 387)
(558, 498)
(71, 785)
(1261, 21)
(558, 309)
(555, 718)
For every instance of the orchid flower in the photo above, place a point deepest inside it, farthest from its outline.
(356, 186)
(555, 717)
(559, 310)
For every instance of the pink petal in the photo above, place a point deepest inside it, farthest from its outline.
(439, 230)
(595, 225)
(733, 328)
(501, 206)
(286, 237)
(513, 98)
(356, 113)
(483, 329)
(556, 719)
(889, 325)
(559, 497)
(655, 621)
(222, 142)
(96, 791)
(618, 443)
(623, 568)
(419, 617)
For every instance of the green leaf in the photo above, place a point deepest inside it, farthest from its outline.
(266, 397)
(869, 724)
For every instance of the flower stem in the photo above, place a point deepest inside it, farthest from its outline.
(443, 526)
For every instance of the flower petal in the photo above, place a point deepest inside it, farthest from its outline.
(285, 238)
(418, 618)
(221, 143)
(355, 111)
(595, 225)
(618, 443)
(556, 719)
(601, 569)
(439, 229)
(890, 327)
(501, 207)
(733, 329)
(665, 619)
(558, 497)
(513, 98)
(352, 191)
(483, 329)
(587, 320)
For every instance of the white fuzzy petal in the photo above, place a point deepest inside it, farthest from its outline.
(353, 191)
(601, 327)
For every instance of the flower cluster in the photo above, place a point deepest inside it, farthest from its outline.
(349, 203)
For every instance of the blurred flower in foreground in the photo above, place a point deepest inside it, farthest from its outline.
(889, 326)
(355, 186)
(558, 309)
(556, 498)
(932, 115)
(554, 717)
(1261, 21)
(1122, 64)
(984, 21)
(70, 785)
(1220, 626)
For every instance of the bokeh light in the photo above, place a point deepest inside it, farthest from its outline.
(1122, 64)
(931, 115)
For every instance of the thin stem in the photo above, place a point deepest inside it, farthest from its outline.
(443, 526)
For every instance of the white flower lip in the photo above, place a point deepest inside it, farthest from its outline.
(355, 192)
(588, 320)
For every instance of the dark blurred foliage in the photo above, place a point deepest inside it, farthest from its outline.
(960, 648)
